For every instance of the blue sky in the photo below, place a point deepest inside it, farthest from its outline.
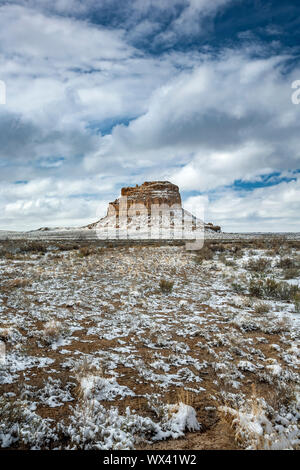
(102, 94)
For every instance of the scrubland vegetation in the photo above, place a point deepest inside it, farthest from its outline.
(150, 346)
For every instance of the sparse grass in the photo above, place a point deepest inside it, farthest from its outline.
(181, 353)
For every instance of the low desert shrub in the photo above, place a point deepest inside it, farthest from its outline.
(261, 307)
(285, 263)
(84, 251)
(22, 428)
(166, 286)
(258, 265)
(204, 254)
(33, 247)
(269, 288)
(291, 273)
(237, 287)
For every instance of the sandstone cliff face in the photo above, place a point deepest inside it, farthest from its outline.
(146, 195)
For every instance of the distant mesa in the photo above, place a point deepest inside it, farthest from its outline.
(146, 195)
(138, 202)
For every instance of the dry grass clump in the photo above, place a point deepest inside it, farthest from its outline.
(17, 283)
(84, 370)
(184, 396)
(53, 331)
(166, 286)
(261, 307)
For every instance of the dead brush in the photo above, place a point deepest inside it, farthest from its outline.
(52, 331)
(33, 247)
(237, 287)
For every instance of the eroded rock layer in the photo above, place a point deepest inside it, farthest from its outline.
(146, 195)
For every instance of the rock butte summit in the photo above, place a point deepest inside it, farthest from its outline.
(148, 194)
(142, 198)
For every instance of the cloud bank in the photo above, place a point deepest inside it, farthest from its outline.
(101, 96)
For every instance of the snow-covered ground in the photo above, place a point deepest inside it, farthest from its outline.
(79, 233)
(97, 356)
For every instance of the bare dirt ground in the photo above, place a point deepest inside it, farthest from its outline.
(149, 346)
